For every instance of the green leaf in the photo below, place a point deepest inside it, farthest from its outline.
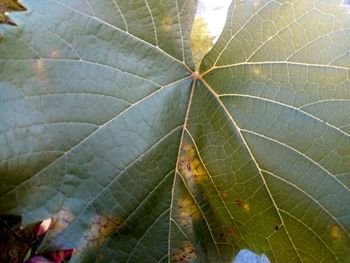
(106, 128)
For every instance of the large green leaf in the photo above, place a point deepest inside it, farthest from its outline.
(105, 127)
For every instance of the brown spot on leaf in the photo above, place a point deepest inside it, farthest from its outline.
(186, 253)
(242, 204)
(102, 227)
(190, 166)
(226, 234)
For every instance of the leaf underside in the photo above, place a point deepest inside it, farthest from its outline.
(105, 128)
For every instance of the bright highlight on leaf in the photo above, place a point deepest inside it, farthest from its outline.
(108, 128)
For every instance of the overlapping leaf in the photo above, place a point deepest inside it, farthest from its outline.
(105, 128)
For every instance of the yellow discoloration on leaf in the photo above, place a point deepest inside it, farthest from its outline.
(188, 211)
(186, 253)
(102, 227)
(189, 149)
(166, 23)
(256, 71)
(336, 233)
(190, 166)
(225, 195)
(242, 204)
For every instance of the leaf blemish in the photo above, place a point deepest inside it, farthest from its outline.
(227, 234)
(242, 204)
(188, 211)
(186, 253)
(102, 227)
(336, 233)
(62, 220)
(190, 165)
(166, 23)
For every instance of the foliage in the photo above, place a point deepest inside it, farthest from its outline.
(201, 40)
(106, 128)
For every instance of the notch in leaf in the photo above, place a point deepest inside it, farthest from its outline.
(9, 6)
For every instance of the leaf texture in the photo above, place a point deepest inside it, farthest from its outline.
(106, 128)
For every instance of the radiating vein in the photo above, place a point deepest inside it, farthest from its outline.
(121, 30)
(144, 234)
(121, 14)
(315, 40)
(87, 62)
(90, 7)
(313, 232)
(309, 196)
(153, 23)
(116, 177)
(177, 164)
(201, 212)
(277, 62)
(130, 215)
(254, 160)
(238, 31)
(291, 107)
(299, 153)
(322, 101)
(181, 230)
(214, 185)
(276, 34)
(97, 129)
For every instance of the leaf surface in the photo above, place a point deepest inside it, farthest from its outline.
(106, 128)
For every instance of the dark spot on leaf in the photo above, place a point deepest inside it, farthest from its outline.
(242, 204)
(186, 253)
(276, 228)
